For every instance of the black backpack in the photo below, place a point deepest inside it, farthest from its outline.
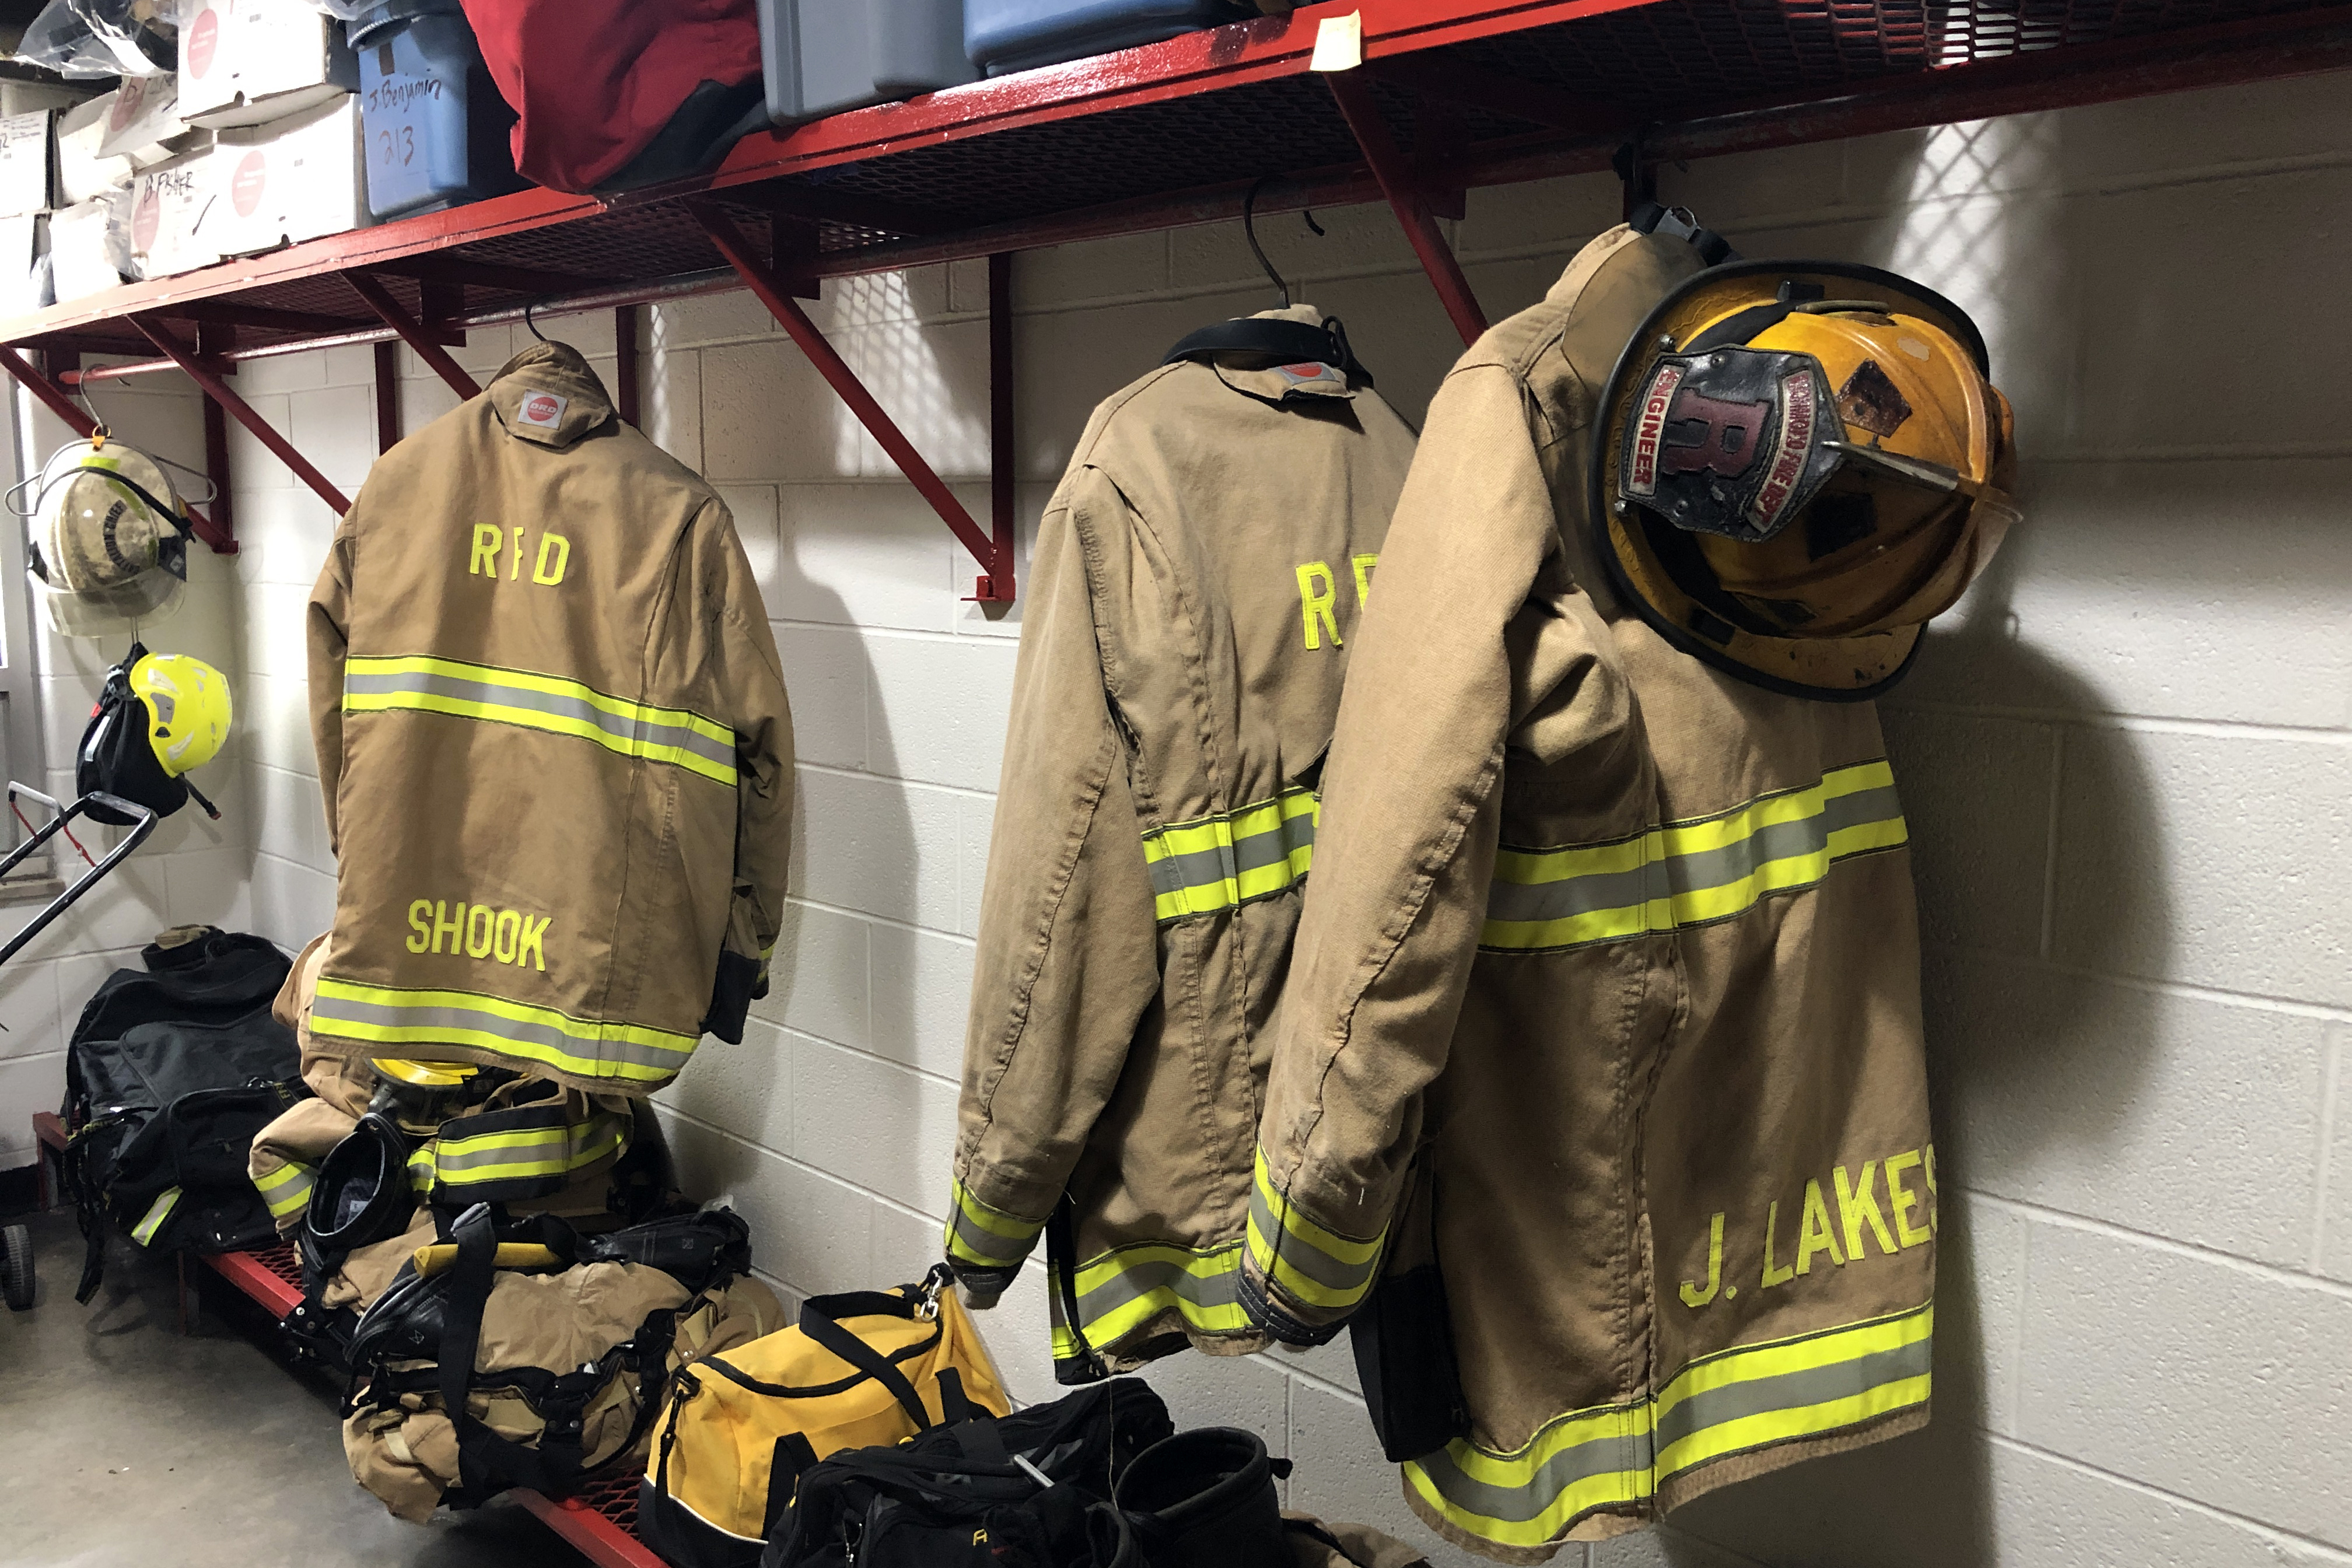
(974, 1490)
(169, 1075)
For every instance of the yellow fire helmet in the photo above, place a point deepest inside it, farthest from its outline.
(188, 709)
(1798, 465)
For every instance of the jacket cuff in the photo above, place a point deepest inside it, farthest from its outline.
(981, 1289)
(739, 979)
(985, 1245)
(1299, 1278)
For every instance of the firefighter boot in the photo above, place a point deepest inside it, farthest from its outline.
(1204, 1499)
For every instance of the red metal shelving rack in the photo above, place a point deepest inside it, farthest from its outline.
(1449, 94)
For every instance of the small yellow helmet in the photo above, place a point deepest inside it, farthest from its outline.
(1800, 464)
(188, 709)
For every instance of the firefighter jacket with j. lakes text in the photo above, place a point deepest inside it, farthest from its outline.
(1199, 576)
(1601, 1044)
(554, 746)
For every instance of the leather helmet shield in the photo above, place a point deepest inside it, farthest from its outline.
(110, 544)
(1664, 572)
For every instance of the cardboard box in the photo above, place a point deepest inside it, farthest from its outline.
(24, 163)
(24, 277)
(26, 97)
(170, 204)
(89, 246)
(143, 125)
(247, 62)
(292, 180)
(83, 172)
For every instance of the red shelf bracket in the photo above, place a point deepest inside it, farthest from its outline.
(773, 293)
(1399, 183)
(388, 398)
(412, 332)
(996, 588)
(626, 398)
(60, 402)
(242, 412)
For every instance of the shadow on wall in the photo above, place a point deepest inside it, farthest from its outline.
(2005, 798)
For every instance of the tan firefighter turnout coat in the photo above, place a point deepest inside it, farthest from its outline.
(554, 746)
(1604, 1026)
(1198, 580)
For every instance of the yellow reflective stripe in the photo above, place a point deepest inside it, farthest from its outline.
(984, 1236)
(1124, 1289)
(1220, 861)
(1692, 872)
(144, 1233)
(468, 1161)
(286, 1188)
(1313, 1265)
(544, 702)
(591, 1048)
(1738, 1400)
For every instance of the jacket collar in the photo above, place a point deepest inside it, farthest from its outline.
(547, 393)
(1277, 383)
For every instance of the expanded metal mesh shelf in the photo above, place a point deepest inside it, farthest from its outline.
(1475, 91)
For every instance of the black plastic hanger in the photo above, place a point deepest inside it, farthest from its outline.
(1296, 341)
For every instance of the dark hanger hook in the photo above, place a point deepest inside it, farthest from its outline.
(532, 325)
(1249, 232)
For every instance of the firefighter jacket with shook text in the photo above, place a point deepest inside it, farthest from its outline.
(1199, 576)
(1601, 1047)
(554, 745)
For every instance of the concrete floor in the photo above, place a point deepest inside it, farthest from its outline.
(122, 1441)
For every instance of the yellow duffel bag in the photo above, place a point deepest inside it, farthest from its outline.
(862, 1368)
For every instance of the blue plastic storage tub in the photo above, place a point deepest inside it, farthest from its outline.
(821, 56)
(436, 129)
(1002, 35)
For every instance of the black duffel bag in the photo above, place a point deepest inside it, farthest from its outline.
(1010, 1491)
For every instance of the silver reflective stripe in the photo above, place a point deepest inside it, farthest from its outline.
(972, 1242)
(285, 1189)
(1636, 1451)
(633, 733)
(144, 1233)
(1298, 1252)
(1792, 1390)
(573, 1046)
(1140, 1277)
(1690, 873)
(1208, 867)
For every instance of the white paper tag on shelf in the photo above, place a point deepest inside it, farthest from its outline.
(542, 409)
(1339, 43)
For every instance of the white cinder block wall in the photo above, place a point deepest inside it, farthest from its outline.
(2127, 762)
(192, 869)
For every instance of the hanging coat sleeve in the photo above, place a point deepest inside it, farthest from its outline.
(1068, 952)
(750, 690)
(328, 637)
(1471, 581)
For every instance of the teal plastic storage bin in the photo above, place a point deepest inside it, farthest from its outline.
(436, 129)
(821, 56)
(1003, 35)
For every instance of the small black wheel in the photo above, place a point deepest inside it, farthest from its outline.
(16, 1266)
